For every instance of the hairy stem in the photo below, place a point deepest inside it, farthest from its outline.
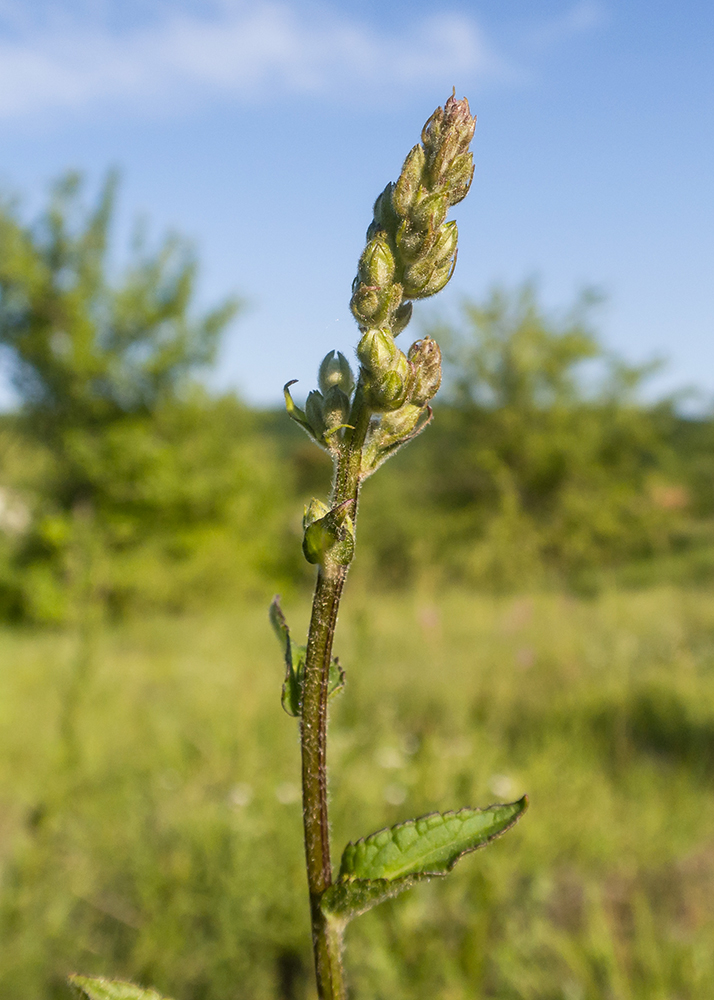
(327, 938)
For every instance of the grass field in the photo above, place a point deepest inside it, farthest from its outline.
(150, 818)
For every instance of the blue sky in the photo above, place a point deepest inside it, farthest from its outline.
(264, 130)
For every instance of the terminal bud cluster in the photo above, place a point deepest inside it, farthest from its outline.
(410, 254)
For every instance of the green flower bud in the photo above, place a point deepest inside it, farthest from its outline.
(425, 278)
(425, 358)
(417, 277)
(314, 412)
(453, 124)
(391, 303)
(336, 408)
(430, 212)
(394, 429)
(376, 265)
(406, 188)
(365, 303)
(398, 425)
(329, 538)
(401, 318)
(412, 243)
(446, 243)
(446, 137)
(432, 132)
(442, 159)
(390, 388)
(459, 179)
(440, 278)
(372, 307)
(335, 370)
(384, 214)
(314, 511)
(377, 351)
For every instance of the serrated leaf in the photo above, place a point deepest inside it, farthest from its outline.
(294, 655)
(430, 845)
(112, 989)
(388, 862)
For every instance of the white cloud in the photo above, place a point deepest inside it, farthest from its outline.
(233, 50)
(582, 17)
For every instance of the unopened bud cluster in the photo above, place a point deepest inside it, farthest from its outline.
(410, 254)
(327, 408)
(411, 249)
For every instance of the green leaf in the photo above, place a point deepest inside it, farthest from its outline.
(430, 846)
(294, 655)
(112, 989)
(344, 900)
(388, 862)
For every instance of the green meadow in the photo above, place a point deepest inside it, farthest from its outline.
(151, 819)
(530, 611)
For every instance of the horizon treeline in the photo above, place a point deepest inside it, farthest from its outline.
(126, 485)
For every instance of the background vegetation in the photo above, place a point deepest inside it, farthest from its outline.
(531, 610)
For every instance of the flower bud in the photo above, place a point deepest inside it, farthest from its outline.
(335, 370)
(394, 429)
(458, 117)
(459, 179)
(425, 278)
(401, 318)
(372, 307)
(430, 212)
(446, 243)
(388, 389)
(425, 358)
(416, 278)
(406, 188)
(412, 243)
(398, 425)
(376, 265)
(336, 408)
(432, 132)
(314, 412)
(365, 303)
(453, 123)
(314, 510)
(440, 277)
(329, 537)
(377, 351)
(384, 214)
(442, 159)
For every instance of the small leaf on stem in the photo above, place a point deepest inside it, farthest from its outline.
(294, 654)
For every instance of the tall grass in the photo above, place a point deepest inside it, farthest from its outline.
(161, 851)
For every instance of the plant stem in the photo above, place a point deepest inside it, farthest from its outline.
(326, 937)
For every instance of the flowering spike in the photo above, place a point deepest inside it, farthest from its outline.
(411, 250)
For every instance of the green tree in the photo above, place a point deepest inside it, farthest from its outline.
(556, 459)
(545, 462)
(122, 437)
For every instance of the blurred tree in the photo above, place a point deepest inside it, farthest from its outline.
(86, 352)
(121, 434)
(543, 457)
(556, 458)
